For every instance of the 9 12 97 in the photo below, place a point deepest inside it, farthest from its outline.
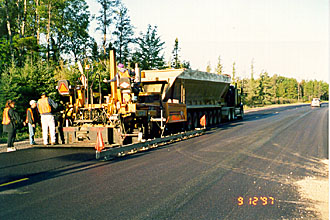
(256, 200)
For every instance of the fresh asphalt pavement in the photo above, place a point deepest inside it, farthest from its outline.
(239, 170)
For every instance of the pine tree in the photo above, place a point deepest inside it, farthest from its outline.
(175, 55)
(274, 88)
(266, 93)
(324, 90)
(219, 68)
(185, 64)
(95, 51)
(123, 35)
(149, 51)
(234, 73)
(208, 67)
(252, 92)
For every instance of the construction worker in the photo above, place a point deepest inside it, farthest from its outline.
(122, 72)
(46, 106)
(11, 122)
(32, 117)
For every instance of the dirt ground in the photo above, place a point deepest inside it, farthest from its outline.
(316, 191)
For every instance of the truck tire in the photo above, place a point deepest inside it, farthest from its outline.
(219, 116)
(189, 125)
(195, 120)
(214, 117)
(210, 118)
(241, 115)
(229, 115)
(233, 115)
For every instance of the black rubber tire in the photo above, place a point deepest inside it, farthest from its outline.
(189, 124)
(219, 116)
(229, 116)
(195, 120)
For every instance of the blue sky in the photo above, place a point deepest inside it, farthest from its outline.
(285, 37)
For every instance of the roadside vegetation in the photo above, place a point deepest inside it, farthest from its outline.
(41, 42)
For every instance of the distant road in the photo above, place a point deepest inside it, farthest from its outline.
(206, 177)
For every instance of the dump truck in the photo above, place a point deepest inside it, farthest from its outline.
(147, 104)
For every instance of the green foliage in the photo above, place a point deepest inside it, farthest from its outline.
(234, 73)
(268, 90)
(219, 68)
(74, 29)
(123, 34)
(4, 53)
(25, 83)
(185, 64)
(175, 55)
(208, 67)
(105, 19)
(149, 51)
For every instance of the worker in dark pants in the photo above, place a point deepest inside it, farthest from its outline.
(59, 128)
(11, 122)
(32, 118)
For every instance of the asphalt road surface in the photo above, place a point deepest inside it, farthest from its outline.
(213, 176)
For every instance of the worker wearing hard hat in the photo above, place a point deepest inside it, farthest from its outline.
(122, 72)
(46, 106)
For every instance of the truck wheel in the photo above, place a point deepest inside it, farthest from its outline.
(195, 120)
(214, 116)
(210, 114)
(219, 115)
(189, 125)
(241, 115)
(233, 114)
(229, 115)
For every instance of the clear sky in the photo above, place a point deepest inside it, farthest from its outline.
(285, 37)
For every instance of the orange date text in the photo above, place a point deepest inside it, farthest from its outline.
(256, 200)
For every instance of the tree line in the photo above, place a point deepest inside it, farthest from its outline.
(42, 40)
(276, 89)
